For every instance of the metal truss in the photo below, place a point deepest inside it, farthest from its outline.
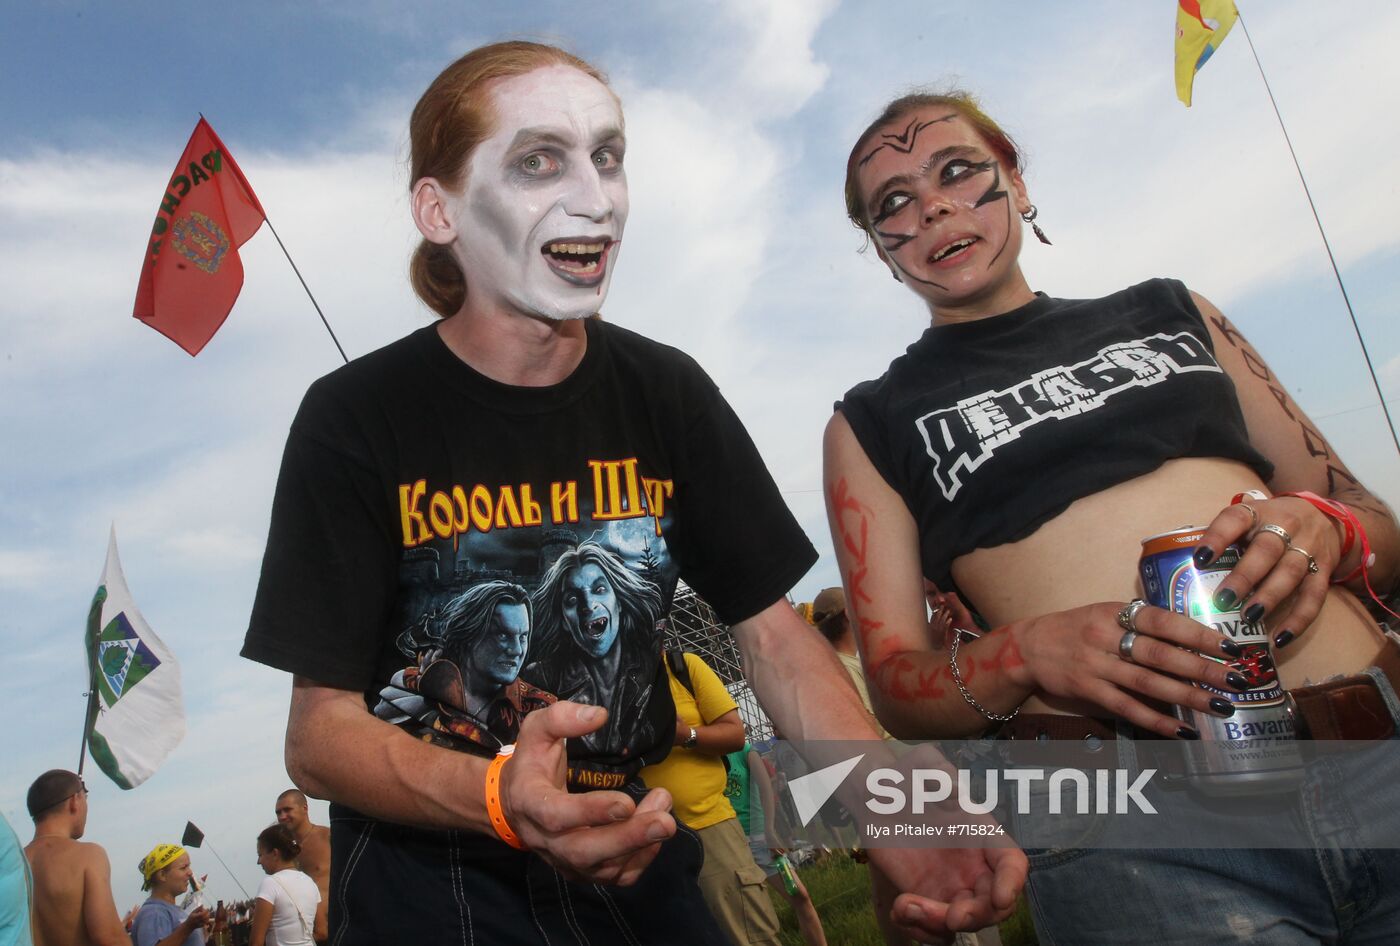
(695, 627)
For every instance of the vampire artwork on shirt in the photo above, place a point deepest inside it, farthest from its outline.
(498, 622)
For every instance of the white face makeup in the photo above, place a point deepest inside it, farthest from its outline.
(545, 198)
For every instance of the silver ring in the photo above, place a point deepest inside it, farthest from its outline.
(1312, 562)
(1125, 645)
(1279, 531)
(1253, 515)
(1127, 617)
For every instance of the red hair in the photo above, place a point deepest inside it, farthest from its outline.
(454, 116)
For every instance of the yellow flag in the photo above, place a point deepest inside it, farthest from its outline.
(1201, 26)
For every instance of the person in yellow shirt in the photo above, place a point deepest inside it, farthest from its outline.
(708, 727)
(828, 615)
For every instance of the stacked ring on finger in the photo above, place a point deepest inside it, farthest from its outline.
(1312, 562)
(1279, 531)
(1127, 617)
(1253, 515)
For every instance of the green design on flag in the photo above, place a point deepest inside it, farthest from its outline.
(138, 714)
(124, 659)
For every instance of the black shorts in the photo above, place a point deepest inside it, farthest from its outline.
(392, 885)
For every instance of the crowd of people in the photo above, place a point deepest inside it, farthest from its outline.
(64, 897)
(478, 530)
(720, 785)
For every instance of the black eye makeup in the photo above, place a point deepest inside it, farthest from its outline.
(890, 204)
(960, 169)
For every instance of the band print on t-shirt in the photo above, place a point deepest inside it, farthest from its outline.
(512, 597)
(961, 438)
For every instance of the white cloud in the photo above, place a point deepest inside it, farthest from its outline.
(778, 72)
(21, 568)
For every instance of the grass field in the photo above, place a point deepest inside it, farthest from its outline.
(840, 888)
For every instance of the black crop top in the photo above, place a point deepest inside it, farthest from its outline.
(989, 429)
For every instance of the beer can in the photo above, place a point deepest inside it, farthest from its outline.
(1255, 751)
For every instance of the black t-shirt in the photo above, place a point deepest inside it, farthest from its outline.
(466, 551)
(989, 429)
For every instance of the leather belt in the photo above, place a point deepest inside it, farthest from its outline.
(1350, 708)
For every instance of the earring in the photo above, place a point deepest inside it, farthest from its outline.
(1029, 216)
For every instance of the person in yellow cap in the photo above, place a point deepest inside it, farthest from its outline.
(166, 872)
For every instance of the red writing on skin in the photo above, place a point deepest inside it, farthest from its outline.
(1008, 655)
(856, 543)
(905, 682)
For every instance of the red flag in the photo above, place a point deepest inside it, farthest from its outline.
(192, 274)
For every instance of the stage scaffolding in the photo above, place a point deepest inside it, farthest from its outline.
(695, 627)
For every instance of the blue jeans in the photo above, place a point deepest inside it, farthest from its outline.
(1087, 892)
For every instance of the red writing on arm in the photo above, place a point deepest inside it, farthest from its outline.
(901, 678)
(1006, 656)
(855, 536)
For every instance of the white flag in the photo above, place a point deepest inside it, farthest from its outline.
(137, 711)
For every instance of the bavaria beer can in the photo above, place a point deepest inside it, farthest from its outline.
(1255, 751)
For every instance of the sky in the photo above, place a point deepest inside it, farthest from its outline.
(739, 119)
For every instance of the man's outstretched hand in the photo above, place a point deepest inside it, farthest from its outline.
(951, 889)
(595, 837)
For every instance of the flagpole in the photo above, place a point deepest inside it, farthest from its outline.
(87, 721)
(308, 291)
(90, 644)
(304, 286)
(225, 866)
(1370, 367)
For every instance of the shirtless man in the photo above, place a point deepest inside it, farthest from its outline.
(315, 839)
(72, 880)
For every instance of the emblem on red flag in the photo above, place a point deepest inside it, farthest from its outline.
(207, 212)
(201, 241)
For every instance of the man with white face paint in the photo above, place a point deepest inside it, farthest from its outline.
(513, 438)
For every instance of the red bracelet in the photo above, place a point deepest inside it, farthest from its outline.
(1339, 511)
(1354, 530)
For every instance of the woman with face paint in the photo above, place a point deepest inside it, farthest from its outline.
(1018, 452)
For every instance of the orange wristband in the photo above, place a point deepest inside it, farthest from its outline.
(493, 798)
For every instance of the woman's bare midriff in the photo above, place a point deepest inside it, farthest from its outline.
(1090, 552)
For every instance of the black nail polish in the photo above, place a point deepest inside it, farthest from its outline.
(1284, 638)
(1229, 648)
(1222, 707)
(1186, 732)
(1203, 556)
(1225, 599)
(1254, 613)
(1237, 680)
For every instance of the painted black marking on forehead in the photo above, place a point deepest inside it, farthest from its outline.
(904, 141)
